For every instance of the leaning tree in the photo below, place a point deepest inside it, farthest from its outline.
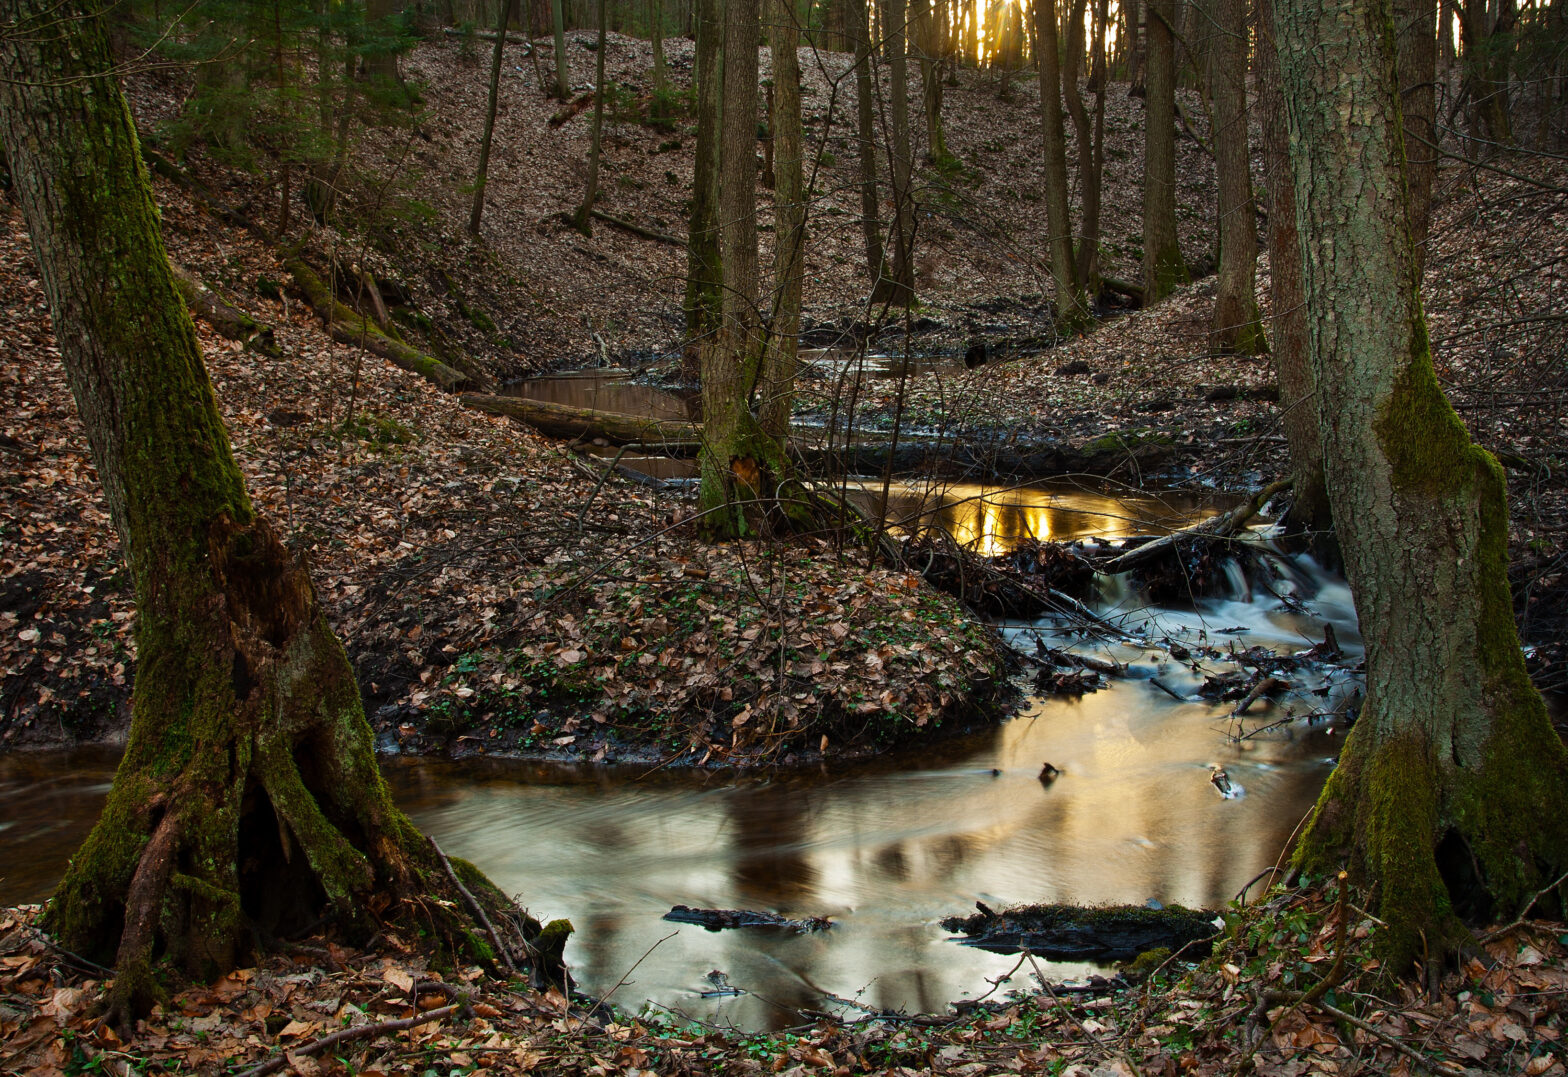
(1451, 795)
(248, 805)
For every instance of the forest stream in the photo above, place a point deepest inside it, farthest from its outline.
(884, 849)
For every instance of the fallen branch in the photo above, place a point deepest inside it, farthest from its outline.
(637, 229)
(1222, 526)
(489, 35)
(568, 111)
(1265, 686)
(230, 322)
(475, 908)
(348, 326)
(360, 1032)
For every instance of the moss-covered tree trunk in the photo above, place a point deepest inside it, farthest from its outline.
(703, 262)
(1237, 325)
(1072, 311)
(1451, 795)
(1309, 510)
(248, 803)
(741, 465)
(1163, 267)
(776, 387)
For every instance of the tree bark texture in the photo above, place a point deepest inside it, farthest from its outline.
(776, 387)
(1288, 320)
(1416, 25)
(740, 464)
(1237, 325)
(703, 259)
(248, 801)
(1163, 267)
(1071, 309)
(1451, 795)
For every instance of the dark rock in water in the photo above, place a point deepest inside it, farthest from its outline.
(1077, 366)
(721, 919)
(1077, 933)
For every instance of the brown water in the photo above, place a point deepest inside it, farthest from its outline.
(606, 391)
(885, 849)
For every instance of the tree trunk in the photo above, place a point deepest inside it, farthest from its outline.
(1137, 47)
(1237, 325)
(1093, 171)
(248, 801)
(1486, 68)
(1451, 794)
(928, 53)
(866, 137)
(661, 78)
(381, 60)
(582, 220)
(490, 110)
(898, 288)
(1417, 65)
(776, 387)
(563, 67)
(1071, 309)
(1163, 267)
(1298, 400)
(741, 465)
(704, 282)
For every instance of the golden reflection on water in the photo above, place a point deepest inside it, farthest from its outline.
(994, 519)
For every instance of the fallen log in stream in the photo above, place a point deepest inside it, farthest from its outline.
(721, 919)
(1216, 527)
(1078, 933)
(565, 421)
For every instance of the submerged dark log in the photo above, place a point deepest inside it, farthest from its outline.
(721, 919)
(1077, 933)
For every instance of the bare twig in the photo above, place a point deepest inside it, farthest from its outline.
(360, 1032)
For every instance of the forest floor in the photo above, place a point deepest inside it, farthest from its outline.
(1248, 1007)
(500, 592)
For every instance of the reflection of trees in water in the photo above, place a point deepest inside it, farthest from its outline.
(892, 863)
(600, 948)
(768, 829)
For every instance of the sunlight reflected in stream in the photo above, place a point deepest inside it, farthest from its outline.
(884, 848)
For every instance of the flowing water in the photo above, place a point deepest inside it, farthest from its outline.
(883, 848)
